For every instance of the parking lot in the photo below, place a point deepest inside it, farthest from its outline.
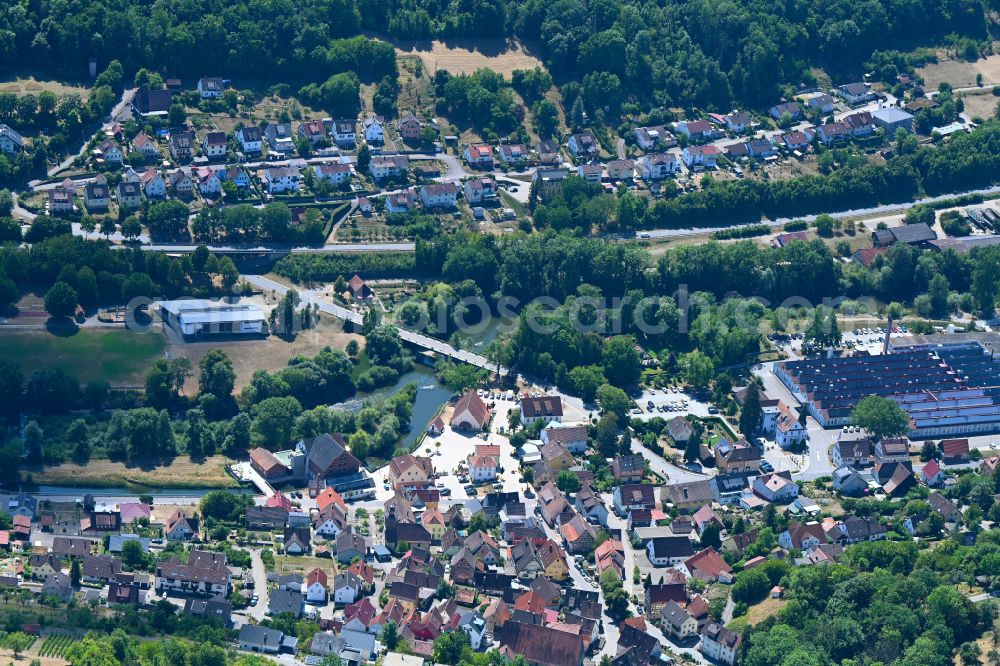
(668, 403)
(858, 339)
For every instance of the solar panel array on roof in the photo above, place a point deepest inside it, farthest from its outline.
(946, 391)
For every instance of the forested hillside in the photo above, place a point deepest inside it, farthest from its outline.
(708, 53)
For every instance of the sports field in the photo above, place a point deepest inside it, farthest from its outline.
(118, 357)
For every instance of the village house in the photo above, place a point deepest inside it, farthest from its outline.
(374, 130)
(892, 450)
(668, 551)
(439, 195)
(479, 190)
(513, 154)
(545, 408)
(700, 157)
(60, 199)
(591, 173)
(860, 124)
(208, 182)
(652, 138)
(10, 141)
(334, 174)
(720, 644)
(483, 467)
(383, 166)
(151, 103)
(954, 451)
(677, 622)
(737, 122)
(236, 176)
(344, 132)
(848, 482)
(793, 110)
(129, 195)
(250, 139)
(145, 146)
(855, 93)
(621, 169)
(181, 145)
(696, 130)
(399, 203)
(853, 452)
(583, 144)
(708, 566)
(153, 186)
(821, 102)
(776, 487)
(110, 151)
(279, 137)
(179, 527)
(180, 183)
(832, 133)
(657, 166)
(410, 471)
(741, 457)
(628, 468)
(795, 140)
(214, 145)
(573, 438)
(548, 152)
(204, 573)
(409, 127)
(279, 180)
(211, 87)
(478, 156)
(313, 131)
(96, 196)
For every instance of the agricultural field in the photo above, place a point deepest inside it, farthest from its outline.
(29, 85)
(980, 104)
(56, 645)
(181, 472)
(116, 356)
(466, 56)
(959, 73)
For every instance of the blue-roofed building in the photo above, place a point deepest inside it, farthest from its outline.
(893, 119)
(947, 388)
(116, 541)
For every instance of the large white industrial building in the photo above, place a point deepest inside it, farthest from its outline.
(192, 317)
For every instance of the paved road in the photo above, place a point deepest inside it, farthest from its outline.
(884, 209)
(412, 337)
(305, 249)
(672, 473)
(259, 574)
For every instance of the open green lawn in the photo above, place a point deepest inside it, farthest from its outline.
(119, 357)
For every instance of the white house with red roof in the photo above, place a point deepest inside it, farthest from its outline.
(316, 586)
(471, 413)
(480, 156)
(932, 474)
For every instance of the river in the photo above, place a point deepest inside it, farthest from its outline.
(431, 396)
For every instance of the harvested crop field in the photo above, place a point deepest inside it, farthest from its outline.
(462, 57)
(271, 353)
(961, 74)
(980, 105)
(181, 472)
(25, 85)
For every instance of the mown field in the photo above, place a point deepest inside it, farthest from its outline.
(119, 357)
